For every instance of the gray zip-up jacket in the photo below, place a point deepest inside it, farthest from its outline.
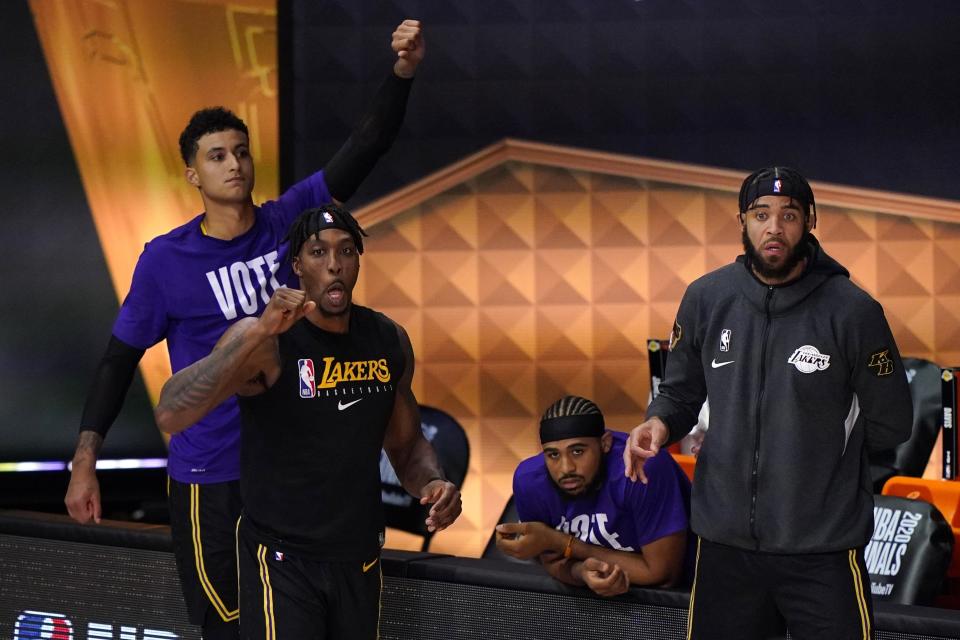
(803, 379)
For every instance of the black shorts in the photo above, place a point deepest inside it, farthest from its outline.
(286, 596)
(746, 595)
(203, 525)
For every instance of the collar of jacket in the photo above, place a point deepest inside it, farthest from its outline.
(820, 268)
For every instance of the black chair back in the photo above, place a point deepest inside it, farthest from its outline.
(403, 511)
(910, 458)
(910, 551)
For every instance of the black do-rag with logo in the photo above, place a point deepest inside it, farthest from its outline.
(777, 181)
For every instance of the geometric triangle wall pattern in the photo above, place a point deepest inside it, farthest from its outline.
(523, 280)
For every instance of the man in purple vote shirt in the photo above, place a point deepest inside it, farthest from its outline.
(192, 283)
(588, 524)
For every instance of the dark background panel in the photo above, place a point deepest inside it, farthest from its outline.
(58, 302)
(859, 93)
(863, 93)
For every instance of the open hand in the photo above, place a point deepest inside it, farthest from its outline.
(446, 501)
(644, 443)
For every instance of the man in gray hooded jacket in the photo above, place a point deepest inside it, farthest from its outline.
(804, 377)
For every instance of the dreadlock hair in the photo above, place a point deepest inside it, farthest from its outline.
(204, 121)
(570, 406)
(312, 221)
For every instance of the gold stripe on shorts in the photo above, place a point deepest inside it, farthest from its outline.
(225, 613)
(693, 592)
(270, 629)
(858, 593)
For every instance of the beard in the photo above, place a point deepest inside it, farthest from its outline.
(589, 488)
(774, 271)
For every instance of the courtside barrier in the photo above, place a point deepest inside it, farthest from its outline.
(115, 580)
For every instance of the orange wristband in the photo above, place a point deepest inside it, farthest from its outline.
(568, 550)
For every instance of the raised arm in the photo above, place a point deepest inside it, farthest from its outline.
(413, 457)
(244, 361)
(376, 130)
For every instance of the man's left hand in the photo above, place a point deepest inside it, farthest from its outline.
(447, 505)
(604, 578)
(525, 540)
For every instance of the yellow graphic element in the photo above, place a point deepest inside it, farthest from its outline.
(858, 592)
(270, 628)
(693, 592)
(654, 345)
(913, 495)
(367, 565)
(947, 375)
(881, 360)
(676, 334)
(128, 75)
(337, 372)
(222, 610)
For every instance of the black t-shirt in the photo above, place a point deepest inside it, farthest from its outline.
(311, 443)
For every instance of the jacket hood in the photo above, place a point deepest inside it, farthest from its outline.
(820, 269)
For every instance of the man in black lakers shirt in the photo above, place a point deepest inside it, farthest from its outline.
(324, 385)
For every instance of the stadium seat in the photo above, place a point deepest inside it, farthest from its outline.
(910, 551)
(403, 511)
(910, 458)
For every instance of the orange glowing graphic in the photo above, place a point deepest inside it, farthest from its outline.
(128, 74)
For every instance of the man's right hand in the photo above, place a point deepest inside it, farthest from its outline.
(408, 43)
(525, 540)
(644, 442)
(83, 494)
(286, 307)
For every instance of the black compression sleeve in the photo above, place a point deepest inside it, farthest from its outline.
(109, 387)
(371, 138)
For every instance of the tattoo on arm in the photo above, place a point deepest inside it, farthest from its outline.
(199, 383)
(88, 444)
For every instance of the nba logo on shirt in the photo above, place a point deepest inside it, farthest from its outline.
(37, 624)
(725, 340)
(777, 185)
(328, 217)
(308, 385)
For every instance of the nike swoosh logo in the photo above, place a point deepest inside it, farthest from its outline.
(342, 406)
(717, 365)
(368, 565)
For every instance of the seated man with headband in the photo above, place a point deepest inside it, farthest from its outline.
(586, 525)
